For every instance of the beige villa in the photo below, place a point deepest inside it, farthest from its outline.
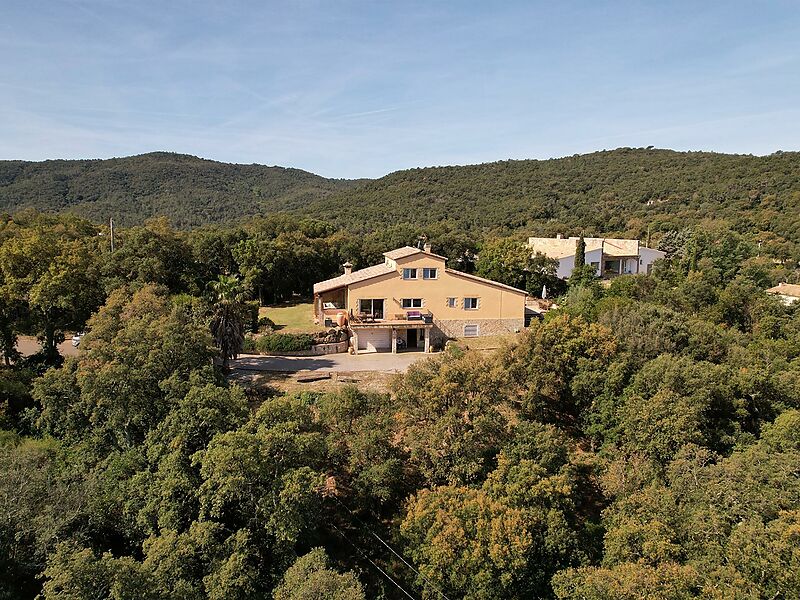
(412, 300)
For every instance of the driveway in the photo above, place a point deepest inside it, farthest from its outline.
(379, 361)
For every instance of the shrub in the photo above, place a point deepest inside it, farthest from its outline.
(265, 324)
(249, 345)
(284, 342)
(253, 321)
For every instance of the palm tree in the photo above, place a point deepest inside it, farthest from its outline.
(228, 316)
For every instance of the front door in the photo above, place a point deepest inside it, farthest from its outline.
(411, 338)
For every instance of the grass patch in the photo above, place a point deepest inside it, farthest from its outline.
(291, 318)
(489, 342)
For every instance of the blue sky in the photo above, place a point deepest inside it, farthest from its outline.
(359, 89)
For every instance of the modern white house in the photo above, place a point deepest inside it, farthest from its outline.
(609, 256)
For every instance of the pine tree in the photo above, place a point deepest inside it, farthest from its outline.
(580, 253)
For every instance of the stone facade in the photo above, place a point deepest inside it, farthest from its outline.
(454, 328)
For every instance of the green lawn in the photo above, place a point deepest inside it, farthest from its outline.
(291, 318)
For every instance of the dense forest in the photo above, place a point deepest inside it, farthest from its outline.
(642, 441)
(630, 192)
(188, 190)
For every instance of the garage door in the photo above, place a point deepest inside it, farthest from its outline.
(378, 339)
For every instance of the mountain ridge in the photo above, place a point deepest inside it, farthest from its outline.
(190, 190)
(625, 190)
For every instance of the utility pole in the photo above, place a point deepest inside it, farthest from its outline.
(111, 227)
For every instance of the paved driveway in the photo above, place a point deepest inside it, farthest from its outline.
(378, 361)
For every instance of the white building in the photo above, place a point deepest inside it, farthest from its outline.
(788, 293)
(609, 256)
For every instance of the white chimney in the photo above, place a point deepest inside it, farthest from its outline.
(427, 248)
(348, 268)
(558, 236)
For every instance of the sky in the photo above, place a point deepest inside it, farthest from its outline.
(360, 89)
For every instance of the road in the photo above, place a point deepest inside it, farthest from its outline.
(28, 345)
(380, 361)
(384, 362)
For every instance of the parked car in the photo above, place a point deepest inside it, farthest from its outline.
(76, 339)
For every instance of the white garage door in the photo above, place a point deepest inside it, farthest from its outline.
(378, 339)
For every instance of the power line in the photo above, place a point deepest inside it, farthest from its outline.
(392, 550)
(368, 559)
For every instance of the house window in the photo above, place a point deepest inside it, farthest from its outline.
(451, 303)
(470, 303)
(471, 330)
(372, 307)
(429, 273)
(409, 273)
(411, 302)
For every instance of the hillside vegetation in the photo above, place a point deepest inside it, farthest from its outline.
(624, 191)
(190, 191)
(641, 441)
(621, 191)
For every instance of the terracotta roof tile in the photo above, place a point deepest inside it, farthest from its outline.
(401, 252)
(563, 247)
(786, 289)
(354, 277)
(486, 281)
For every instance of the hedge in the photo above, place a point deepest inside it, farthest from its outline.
(284, 342)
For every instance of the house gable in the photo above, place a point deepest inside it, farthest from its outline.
(449, 296)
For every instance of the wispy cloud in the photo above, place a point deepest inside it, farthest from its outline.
(360, 89)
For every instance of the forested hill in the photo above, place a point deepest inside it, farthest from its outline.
(618, 191)
(190, 191)
(623, 191)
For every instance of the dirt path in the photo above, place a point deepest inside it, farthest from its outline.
(28, 345)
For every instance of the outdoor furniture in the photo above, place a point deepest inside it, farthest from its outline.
(414, 315)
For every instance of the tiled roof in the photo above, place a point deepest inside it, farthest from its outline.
(563, 247)
(401, 252)
(786, 289)
(384, 269)
(354, 277)
(405, 251)
(618, 247)
(486, 281)
(554, 247)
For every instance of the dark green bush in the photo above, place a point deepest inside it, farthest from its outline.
(252, 316)
(249, 345)
(265, 324)
(284, 342)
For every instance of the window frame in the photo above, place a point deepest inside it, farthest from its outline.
(477, 330)
(411, 303)
(372, 302)
(410, 270)
(477, 302)
(428, 270)
(452, 302)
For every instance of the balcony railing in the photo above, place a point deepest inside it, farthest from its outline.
(423, 316)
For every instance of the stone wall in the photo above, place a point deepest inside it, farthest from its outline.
(454, 328)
